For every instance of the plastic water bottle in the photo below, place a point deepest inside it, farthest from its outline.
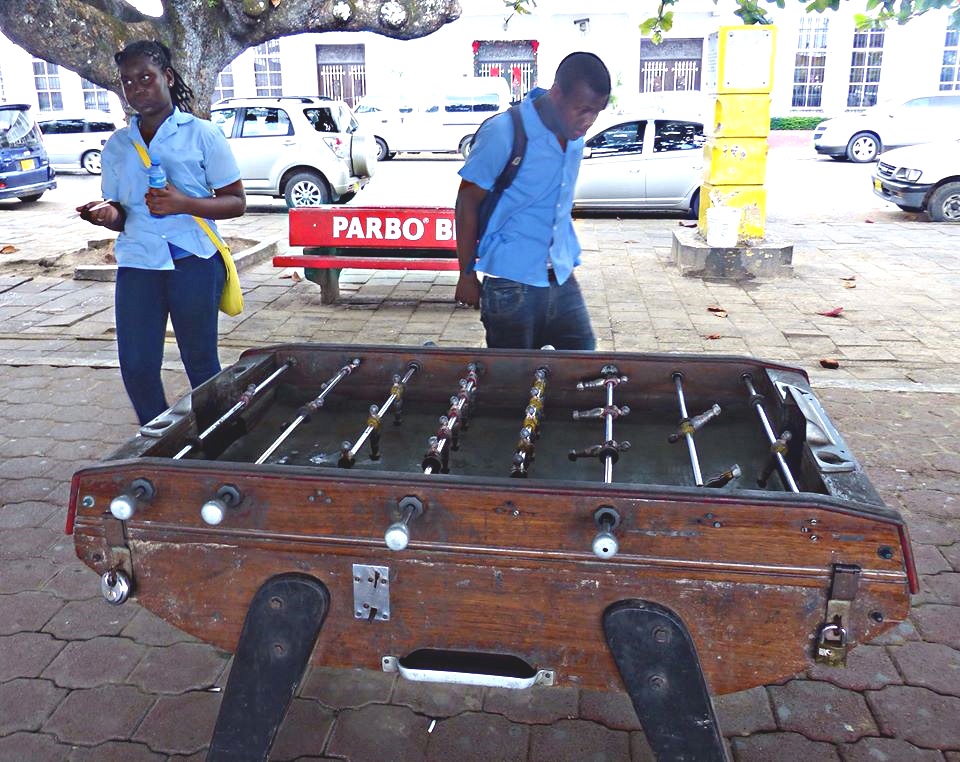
(156, 178)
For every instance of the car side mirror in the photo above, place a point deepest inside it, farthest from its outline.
(587, 152)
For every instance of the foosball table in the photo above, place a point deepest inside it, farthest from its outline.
(675, 526)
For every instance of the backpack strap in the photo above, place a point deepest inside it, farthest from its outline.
(507, 174)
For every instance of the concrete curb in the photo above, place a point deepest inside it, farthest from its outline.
(247, 258)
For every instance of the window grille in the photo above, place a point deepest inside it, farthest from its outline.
(950, 69)
(46, 79)
(865, 68)
(95, 98)
(266, 69)
(811, 60)
(224, 88)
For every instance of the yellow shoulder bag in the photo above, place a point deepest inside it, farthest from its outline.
(231, 298)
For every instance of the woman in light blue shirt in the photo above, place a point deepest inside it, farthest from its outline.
(167, 266)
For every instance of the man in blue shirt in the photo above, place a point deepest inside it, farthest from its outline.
(529, 296)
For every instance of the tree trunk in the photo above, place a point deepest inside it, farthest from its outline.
(203, 35)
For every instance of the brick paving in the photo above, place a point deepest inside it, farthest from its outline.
(81, 680)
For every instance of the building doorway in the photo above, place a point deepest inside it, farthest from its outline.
(341, 72)
(671, 65)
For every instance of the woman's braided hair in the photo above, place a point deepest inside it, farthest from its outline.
(180, 92)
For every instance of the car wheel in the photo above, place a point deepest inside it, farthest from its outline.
(466, 145)
(910, 208)
(694, 212)
(90, 161)
(863, 147)
(306, 189)
(944, 203)
(31, 198)
(363, 155)
(383, 153)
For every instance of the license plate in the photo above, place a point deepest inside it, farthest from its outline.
(876, 185)
(28, 163)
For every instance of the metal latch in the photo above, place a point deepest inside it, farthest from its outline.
(371, 592)
(834, 637)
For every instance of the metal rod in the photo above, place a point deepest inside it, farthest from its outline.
(378, 415)
(251, 391)
(311, 407)
(532, 415)
(608, 433)
(691, 445)
(757, 401)
(449, 422)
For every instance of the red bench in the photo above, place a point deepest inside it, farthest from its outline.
(338, 237)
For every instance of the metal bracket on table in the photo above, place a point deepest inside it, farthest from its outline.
(371, 592)
(278, 636)
(661, 671)
(825, 443)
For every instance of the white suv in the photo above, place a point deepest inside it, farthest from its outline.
(76, 140)
(306, 149)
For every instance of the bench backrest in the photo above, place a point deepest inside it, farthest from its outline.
(373, 227)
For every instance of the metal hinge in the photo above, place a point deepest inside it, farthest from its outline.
(834, 639)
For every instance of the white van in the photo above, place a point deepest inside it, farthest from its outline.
(441, 120)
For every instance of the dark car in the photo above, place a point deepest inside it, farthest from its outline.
(25, 171)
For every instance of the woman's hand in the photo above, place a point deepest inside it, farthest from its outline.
(109, 215)
(168, 200)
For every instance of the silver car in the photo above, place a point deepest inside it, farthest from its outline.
(641, 163)
(308, 150)
(76, 141)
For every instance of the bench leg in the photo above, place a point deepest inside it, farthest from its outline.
(327, 279)
(661, 671)
(278, 636)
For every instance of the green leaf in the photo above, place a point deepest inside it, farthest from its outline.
(648, 26)
(666, 21)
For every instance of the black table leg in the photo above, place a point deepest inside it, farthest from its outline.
(279, 633)
(660, 669)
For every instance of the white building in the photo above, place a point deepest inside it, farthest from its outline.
(823, 65)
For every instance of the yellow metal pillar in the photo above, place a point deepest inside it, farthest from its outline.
(739, 73)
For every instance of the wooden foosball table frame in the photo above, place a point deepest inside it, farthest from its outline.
(579, 574)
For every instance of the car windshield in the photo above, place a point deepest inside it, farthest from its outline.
(17, 129)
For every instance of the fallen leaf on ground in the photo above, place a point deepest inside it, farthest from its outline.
(849, 277)
(835, 312)
(720, 312)
(868, 221)
(297, 277)
(828, 362)
(713, 336)
(8, 249)
(685, 224)
(849, 284)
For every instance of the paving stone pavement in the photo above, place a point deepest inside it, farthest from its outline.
(81, 680)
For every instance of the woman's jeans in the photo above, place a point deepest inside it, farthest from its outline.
(190, 296)
(518, 316)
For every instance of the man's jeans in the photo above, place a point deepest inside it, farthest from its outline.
(518, 316)
(190, 296)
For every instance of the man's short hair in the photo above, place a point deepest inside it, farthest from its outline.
(583, 67)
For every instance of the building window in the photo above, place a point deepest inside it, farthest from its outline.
(95, 98)
(224, 88)
(266, 69)
(950, 70)
(46, 78)
(810, 63)
(865, 68)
